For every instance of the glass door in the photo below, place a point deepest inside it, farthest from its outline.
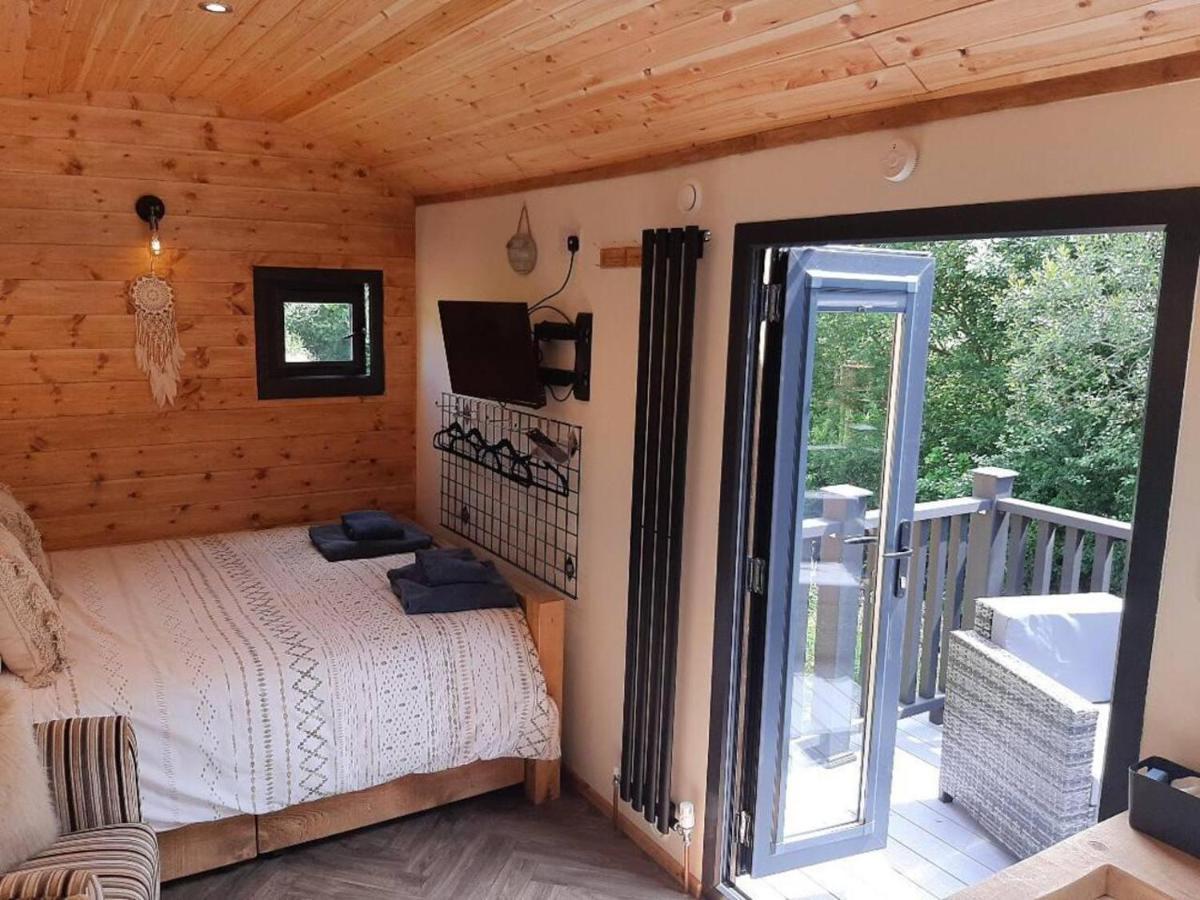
(851, 341)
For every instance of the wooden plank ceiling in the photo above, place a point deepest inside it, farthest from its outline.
(452, 96)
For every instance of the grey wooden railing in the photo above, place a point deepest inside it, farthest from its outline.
(986, 545)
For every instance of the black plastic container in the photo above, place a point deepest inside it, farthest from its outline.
(1162, 811)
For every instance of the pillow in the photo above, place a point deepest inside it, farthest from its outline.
(14, 517)
(28, 825)
(31, 633)
(1070, 637)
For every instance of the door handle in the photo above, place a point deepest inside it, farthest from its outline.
(903, 550)
(861, 539)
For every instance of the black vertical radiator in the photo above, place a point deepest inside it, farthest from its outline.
(664, 379)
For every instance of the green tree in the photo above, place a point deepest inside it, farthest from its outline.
(317, 332)
(1079, 329)
(1038, 360)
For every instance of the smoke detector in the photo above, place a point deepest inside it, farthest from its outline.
(689, 197)
(900, 159)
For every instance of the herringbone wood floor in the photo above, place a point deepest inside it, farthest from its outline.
(496, 847)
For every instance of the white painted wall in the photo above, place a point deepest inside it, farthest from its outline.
(1134, 141)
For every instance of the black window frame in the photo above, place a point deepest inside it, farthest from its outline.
(362, 375)
(738, 620)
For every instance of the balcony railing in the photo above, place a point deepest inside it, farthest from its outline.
(986, 545)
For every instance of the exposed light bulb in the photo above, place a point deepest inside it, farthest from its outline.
(216, 8)
(155, 243)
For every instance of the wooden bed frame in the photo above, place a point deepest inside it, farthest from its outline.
(210, 845)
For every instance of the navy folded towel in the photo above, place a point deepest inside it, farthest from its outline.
(423, 587)
(417, 598)
(336, 546)
(372, 525)
(455, 566)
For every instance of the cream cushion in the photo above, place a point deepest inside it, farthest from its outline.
(14, 517)
(1070, 637)
(28, 825)
(31, 637)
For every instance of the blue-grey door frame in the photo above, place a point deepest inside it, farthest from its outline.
(838, 281)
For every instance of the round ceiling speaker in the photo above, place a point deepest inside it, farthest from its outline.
(900, 159)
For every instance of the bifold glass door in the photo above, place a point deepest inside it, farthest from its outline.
(850, 369)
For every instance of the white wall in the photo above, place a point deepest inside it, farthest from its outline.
(1135, 141)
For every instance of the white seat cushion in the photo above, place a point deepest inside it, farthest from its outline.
(1070, 637)
(1099, 747)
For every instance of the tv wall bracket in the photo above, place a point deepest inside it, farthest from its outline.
(578, 379)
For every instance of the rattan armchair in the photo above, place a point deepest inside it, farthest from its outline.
(1018, 747)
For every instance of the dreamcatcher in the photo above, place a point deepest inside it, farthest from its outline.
(156, 337)
(157, 340)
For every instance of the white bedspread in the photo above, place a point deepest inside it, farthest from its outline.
(258, 675)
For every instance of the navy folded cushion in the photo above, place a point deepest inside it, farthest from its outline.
(333, 543)
(455, 566)
(418, 598)
(372, 525)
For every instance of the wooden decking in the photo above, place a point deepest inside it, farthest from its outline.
(934, 849)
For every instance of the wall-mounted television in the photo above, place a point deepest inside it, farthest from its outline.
(491, 351)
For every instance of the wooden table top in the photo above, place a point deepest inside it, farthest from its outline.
(1175, 873)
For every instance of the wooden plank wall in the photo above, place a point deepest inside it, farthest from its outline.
(82, 442)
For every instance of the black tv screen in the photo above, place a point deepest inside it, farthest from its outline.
(491, 352)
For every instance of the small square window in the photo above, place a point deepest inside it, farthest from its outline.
(318, 332)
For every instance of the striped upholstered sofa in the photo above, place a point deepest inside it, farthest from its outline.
(105, 852)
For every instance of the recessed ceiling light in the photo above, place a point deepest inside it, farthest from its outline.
(216, 8)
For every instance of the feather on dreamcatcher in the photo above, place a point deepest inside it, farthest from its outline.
(156, 336)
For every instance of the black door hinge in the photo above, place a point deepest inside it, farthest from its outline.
(772, 303)
(774, 280)
(743, 828)
(756, 575)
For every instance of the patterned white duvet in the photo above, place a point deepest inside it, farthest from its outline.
(258, 675)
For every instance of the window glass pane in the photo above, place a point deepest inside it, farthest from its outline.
(367, 325)
(318, 332)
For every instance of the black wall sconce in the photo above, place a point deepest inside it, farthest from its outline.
(151, 209)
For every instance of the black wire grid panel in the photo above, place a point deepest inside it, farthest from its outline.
(491, 503)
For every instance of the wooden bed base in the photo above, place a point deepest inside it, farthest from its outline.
(210, 845)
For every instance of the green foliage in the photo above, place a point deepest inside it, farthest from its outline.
(1038, 361)
(317, 332)
(850, 377)
(1081, 327)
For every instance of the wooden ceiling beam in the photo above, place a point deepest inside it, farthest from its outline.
(1125, 78)
(1106, 35)
(292, 34)
(575, 81)
(658, 103)
(998, 19)
(451, 95)
(436, 26)
(495, 46)
(266, 25)
(116, 45)
(584, 70)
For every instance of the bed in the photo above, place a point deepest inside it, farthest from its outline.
(266, 684)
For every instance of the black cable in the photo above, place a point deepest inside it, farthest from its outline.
(542, 303)
(566, 281)
(566, 318)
